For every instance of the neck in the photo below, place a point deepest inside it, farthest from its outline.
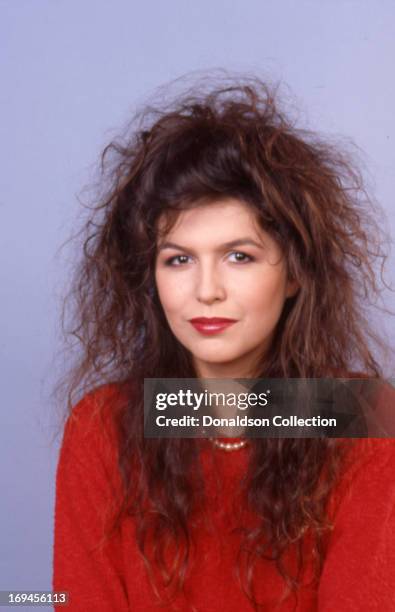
(226, 370)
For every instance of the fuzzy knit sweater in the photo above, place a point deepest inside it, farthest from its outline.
(110, 575)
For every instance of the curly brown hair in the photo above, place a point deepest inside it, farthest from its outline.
(213, 142)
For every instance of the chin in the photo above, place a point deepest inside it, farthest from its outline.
(216, 358)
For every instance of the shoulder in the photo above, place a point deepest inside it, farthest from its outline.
(89, 453)
(91, 426)
(368, 468)
(367, 452)
(101, 403)
(367, 481)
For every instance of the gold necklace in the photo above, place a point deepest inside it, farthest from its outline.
(229, 446)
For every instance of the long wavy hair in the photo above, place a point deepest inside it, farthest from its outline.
(214, 141)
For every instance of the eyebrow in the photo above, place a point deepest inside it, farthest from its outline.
(225, 245)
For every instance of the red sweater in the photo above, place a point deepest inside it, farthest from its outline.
(359, 568)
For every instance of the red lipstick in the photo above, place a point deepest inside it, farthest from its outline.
(211, 325)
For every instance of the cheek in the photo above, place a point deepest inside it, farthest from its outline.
(263, 294)
(172, 293)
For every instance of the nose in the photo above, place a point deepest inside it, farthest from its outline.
(209, 285)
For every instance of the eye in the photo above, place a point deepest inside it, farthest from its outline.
(176, 260)
(242, 257)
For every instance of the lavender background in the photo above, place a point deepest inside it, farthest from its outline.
(71, 73)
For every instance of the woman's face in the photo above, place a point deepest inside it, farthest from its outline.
(217, 262)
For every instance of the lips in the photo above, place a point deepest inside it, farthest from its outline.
(211, 320)
(211, 325)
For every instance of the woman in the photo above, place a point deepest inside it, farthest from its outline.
(219, 208)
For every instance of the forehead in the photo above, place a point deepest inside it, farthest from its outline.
(216, 219)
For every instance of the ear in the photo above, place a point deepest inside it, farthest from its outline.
(292, 288)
